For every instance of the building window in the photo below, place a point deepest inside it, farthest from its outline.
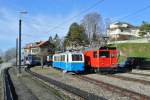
(121, 30)
(35, 50)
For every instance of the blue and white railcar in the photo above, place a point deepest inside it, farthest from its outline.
(49, 60)
(69, 61)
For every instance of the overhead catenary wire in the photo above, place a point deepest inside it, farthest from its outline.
(134, 13)
(79, 14)
(130, 15)
(59, 26)
(94, 5)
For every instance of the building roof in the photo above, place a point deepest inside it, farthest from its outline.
(35, 44)
(121, 25)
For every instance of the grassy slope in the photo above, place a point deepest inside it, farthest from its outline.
(134, 50)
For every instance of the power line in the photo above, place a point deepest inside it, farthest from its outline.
(79, 14)
(136, 12)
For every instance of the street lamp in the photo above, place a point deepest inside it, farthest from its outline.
(20, 22)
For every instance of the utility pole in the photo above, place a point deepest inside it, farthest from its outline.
(20, 22)
(16, 52)
(19, 47)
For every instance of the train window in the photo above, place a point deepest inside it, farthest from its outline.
(95, 54)
(55, 58)
(62, 57)
(104, 54)
(76, 57)
(59, 58)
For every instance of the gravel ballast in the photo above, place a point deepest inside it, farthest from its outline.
(133, 86)
(140, 77)
(141, 71)
(78, 83)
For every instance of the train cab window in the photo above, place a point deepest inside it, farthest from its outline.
(76, 57)
(95, 54)
(104, 54)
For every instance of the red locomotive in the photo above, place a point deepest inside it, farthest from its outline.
(103, 59)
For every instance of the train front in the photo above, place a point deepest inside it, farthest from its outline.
(76, 62)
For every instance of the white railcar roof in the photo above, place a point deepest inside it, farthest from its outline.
(68, 53)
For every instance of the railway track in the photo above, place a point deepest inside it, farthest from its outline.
(80, 93)
(9, 90)
(130, 79)
(140, 74)
(113, 88)
(124, 92)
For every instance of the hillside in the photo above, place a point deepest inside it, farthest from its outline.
(133, 50)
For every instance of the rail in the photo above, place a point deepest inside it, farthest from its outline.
(113, 88)
(9, 90)
(71, 89)
(140, 74)
(131, 79)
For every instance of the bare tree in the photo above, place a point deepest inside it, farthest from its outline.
(93, 25)
(107, 23)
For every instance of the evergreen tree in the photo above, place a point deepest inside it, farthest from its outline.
(1, 61)
(57, 43)
(76, 36)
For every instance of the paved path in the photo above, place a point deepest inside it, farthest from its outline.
(29, 88)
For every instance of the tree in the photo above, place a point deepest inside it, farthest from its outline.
(144, 28)
(107, 23)
(57, 43)
(1, 61)
(93, 25)
(1, 52)
(9, 54)
(50, 39)
(76, 36)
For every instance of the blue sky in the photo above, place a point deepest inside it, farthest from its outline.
(44, 15)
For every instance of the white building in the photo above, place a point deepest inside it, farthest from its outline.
(122, 31)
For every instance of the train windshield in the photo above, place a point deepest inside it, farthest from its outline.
(76, 57)
(104, 54)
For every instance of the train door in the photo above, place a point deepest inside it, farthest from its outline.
(66, 61)
(113, 57)
(95, 59)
